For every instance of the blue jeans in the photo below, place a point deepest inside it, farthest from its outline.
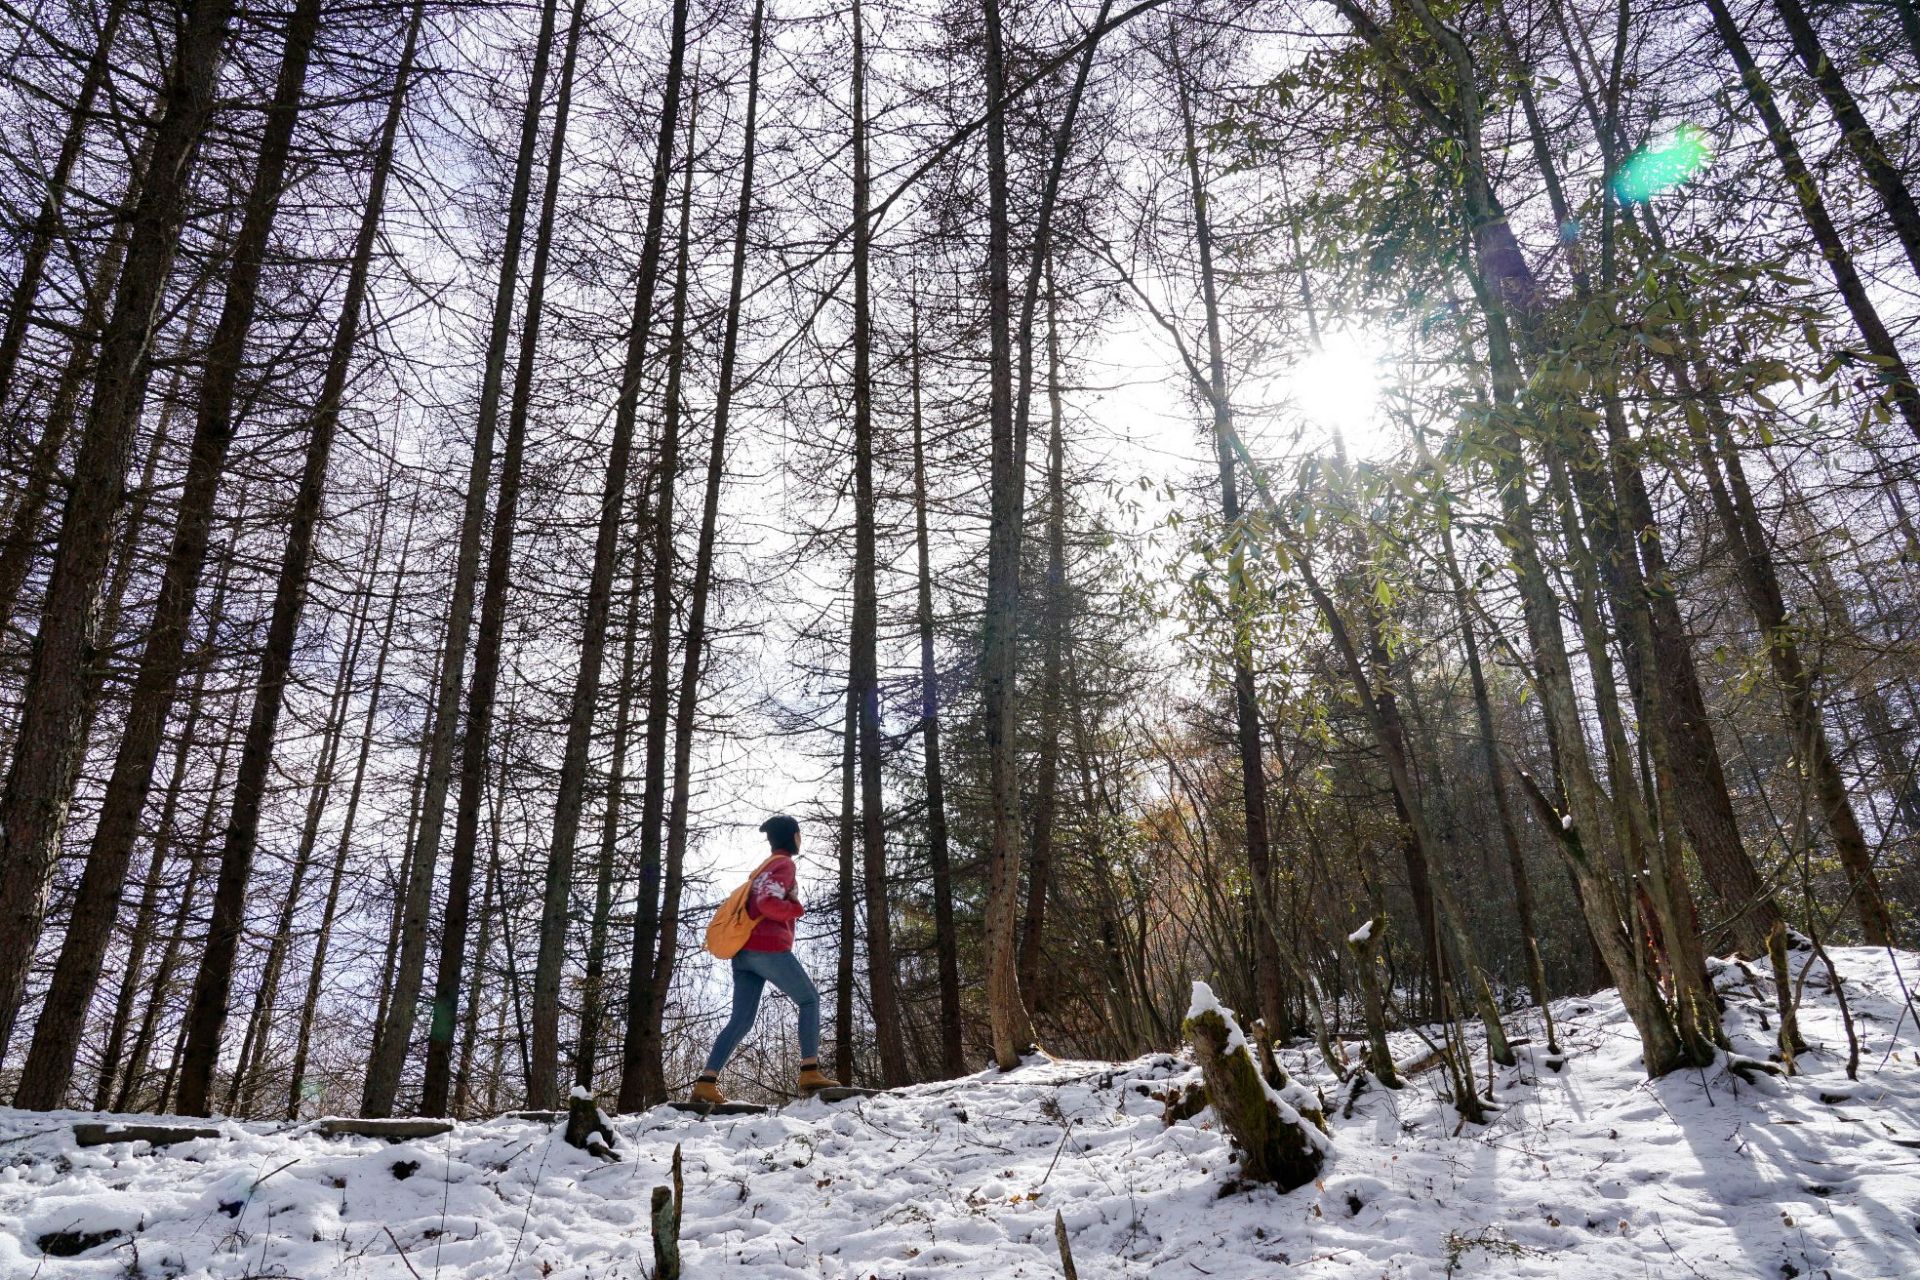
(752, 971)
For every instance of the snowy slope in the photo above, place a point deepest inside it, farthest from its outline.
(1588, 1172)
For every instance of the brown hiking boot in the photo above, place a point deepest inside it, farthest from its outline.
(707, 1093)
(813, 1079)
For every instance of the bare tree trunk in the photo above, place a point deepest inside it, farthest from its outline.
(946, 943)
(1054, 614)
(655, 543)
(163, 973)
(208, 1013)
(1497, 782)
(863, 662)
(29, 506)
(642, 1080)
(844, 911)
(545, 1049)
(163, 841)
(1705, 808)
(586, 690)
(482, 943)
(316, 970)
(46, 227)
(1125, 997)
(593, 995)
(1012, 1029)
(394, 1035)
(1719, 458)
(1892, 367)
(33, 806)
(1507, 288)
(397, 914)
(653, 790)
(1855, 131)
(57, 1038)
(1603, 558)
(1246, 707)
(245, 1087)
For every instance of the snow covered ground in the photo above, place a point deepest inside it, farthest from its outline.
(1589, 1171)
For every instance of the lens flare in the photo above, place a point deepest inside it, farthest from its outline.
(1661, 167)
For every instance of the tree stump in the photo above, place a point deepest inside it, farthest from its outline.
(1280, 1132)
(587, 1126)
(1364, 943)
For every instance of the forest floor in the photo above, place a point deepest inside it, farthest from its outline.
(1588, 1171)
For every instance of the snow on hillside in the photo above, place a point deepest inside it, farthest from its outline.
(1591, 1171)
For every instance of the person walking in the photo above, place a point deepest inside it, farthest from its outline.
(773, 901)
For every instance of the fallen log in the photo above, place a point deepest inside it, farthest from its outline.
(95, 1134)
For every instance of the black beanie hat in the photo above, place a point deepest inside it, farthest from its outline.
(781, 832)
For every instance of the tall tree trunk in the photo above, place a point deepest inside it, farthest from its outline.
(490, 900)
(46, 227)
(28, 509)
(1706, 805)
(1125, 998)
(845, 915)
(1246, 707)
(208, 1013)
(146, 915)
(1497, 783)
(1010, 1024)
(1507, 288)
(1053, 643)
(1012, 1029)
(33, 806)
(323, 938)
(245, 1086)
(1892, 367)
(864, 662)
(655, 544)
(634, 1088)
(946, 942)
(1855, 131)
(483, 941)
(394, 1035)
(397, 896)
(57, 1037)
(545, 1049)
(1719, 457)
(586, 689)
(198, 860)
(593, 992)
(642, 1080)
(1605, 563)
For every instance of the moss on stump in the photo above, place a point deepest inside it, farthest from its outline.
(1280, 1140)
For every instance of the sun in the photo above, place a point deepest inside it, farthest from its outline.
(1336, 387)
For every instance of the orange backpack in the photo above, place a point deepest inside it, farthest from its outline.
(731, 926)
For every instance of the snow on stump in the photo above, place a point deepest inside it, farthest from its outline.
(1279, 1131)
(587, 1126)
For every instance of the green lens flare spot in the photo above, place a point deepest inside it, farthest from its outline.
(1660, 167)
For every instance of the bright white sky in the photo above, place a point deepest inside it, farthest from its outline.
(1139, 422)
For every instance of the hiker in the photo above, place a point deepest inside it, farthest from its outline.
(773, 902)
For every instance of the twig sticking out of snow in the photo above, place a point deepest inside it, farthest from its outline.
(1066, 1253)
(666, 1224)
